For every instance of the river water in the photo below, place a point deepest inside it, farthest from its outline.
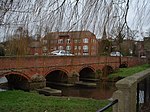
(3, 80)
(103, 90)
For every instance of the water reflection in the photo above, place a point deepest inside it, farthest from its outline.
(2, 89)
(104, 90)
(3, 80)
(3, 84)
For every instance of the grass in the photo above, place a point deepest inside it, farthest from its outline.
(20, 101)
(124, 72)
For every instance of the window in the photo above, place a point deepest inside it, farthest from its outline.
(44, 41)
(68, 48)
(60, 47)
(44, 54)
(79, 53)
(85, 48)
(86, 54)
(75, 47)
(93, 40)
(79, 47)
(44, 48)
(60, 41)
(85, 40)
(53, 48)
(68, 41)
(77, 41)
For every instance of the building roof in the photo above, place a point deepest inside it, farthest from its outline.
(72, 34)
(35, 44)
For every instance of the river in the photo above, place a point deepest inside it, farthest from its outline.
(2, 81)
(103, 90)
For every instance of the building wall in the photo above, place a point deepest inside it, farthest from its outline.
(35, 68)
(76, 42)
(35, 48)
(147, 43)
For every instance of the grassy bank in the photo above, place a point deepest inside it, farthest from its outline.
(124, 72)
(19, 101)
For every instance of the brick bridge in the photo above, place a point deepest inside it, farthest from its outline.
(33, 72)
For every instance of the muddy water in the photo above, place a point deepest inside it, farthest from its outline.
(102, 91)
(3, 82)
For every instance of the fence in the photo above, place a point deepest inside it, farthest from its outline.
(108, 106)
(133, 92)
(143, 93)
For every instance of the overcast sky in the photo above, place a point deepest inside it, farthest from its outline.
(138, 16)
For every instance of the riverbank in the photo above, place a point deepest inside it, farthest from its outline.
(20, 101)
(125, 72)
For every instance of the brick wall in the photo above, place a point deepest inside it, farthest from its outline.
(43, 65)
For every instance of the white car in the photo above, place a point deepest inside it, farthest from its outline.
(61, 53)
(116, 53)
(143, 57)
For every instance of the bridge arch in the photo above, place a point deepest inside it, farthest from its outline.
(124, 64)
(17, 80)
(57, 76)
(87, 72)
(106, 70)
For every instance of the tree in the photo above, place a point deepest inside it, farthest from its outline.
(2, 51)
(66, 15)
(18, 44)
(105, 47)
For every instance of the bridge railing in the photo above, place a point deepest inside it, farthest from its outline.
(143, 93)
(108, 106)
(133, 92)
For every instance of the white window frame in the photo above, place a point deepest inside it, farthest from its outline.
(44, 41)
(85, 54)
(68, 48)
(45, 48)
(68, 41)
(75, 47)
(60, 47)
(85, 40)
(85, 48)
(60, 41)
(79, 47)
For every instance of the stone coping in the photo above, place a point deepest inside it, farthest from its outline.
(129, 81)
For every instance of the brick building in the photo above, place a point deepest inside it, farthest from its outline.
(147, 43)
(147, 47)
(76, 42)
(35, 48)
